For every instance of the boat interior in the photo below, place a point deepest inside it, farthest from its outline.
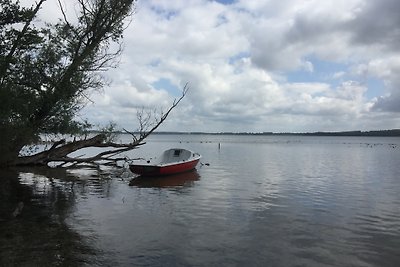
(175, 155)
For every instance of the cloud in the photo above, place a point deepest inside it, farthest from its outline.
(283, 40)
(377, 23)
(390, 102)
(238, 59)
(386, 69)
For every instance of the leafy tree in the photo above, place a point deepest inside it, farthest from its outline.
(47, 72)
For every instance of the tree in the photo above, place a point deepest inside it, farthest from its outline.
(47, 73)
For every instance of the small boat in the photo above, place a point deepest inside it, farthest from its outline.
(172, 161)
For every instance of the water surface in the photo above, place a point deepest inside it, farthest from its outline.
(260, 201)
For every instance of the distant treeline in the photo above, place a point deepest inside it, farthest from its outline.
(393, 132)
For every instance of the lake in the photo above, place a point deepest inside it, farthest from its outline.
(253, 201)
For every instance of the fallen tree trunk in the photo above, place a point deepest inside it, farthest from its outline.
(60, 152)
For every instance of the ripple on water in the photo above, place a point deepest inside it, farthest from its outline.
(318, 202)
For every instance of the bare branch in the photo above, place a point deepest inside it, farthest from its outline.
(164, 117)
(65, 16)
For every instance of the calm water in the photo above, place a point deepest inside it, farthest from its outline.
(262, 201)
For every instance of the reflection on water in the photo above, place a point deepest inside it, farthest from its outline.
(260, 202)
(176, 180)
(34, 205)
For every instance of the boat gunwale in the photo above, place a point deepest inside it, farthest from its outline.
(145, 164)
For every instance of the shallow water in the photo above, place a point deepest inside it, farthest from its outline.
(262, 201)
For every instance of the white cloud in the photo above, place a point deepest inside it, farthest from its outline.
(237, 59)
(338, 75)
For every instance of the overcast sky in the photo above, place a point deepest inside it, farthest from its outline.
(259, 65)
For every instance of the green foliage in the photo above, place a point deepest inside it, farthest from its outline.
(47, 73)
(110, 132)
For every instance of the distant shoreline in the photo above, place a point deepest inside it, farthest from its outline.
(381, 133)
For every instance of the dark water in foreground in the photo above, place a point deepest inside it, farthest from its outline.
(262, 201)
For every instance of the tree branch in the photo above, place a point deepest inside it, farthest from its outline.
(60, 151)
(144, 122)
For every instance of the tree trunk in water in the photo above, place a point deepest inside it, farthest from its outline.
(60, 153)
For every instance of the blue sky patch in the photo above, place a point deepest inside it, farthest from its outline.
(168, 14)
(375, 88)
(233, 59)
(226, 2)
(324, 71)
(165, 84)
